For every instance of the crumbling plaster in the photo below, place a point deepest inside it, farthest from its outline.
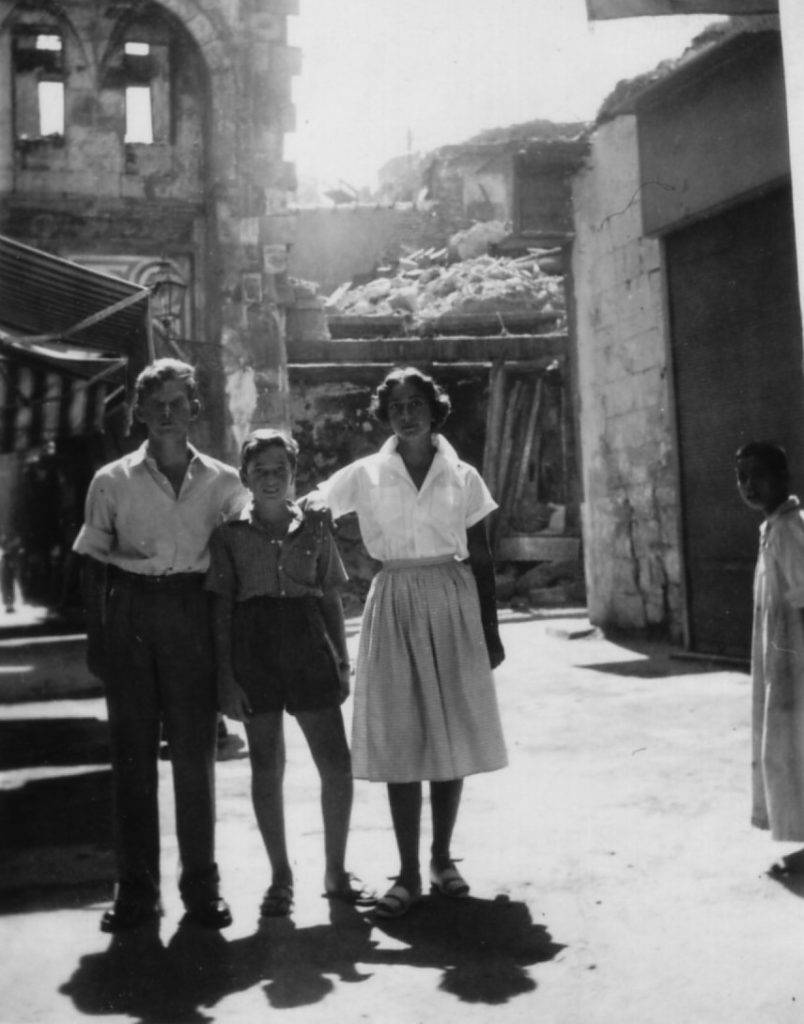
(630, 509)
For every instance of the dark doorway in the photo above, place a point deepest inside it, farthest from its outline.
(737, 355)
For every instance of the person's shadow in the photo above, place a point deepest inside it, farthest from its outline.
(161, 984)
(482, 946)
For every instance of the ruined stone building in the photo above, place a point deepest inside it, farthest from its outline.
(135, 133)
(137, 139)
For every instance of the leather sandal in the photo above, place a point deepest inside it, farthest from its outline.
(212, 913)
(397, 901)
(352, 892)
(449, 882)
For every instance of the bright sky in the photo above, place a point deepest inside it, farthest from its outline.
(375, 72)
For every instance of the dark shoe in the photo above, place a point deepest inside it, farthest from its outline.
(130, 913)
(210, 913)
(278, 900)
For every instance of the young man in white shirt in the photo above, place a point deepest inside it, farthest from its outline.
(149, 517)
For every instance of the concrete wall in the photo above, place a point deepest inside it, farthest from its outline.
(729, 109)
(630, 508)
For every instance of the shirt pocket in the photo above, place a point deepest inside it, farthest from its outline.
(387, 507)
(446, 508)
(299, 562)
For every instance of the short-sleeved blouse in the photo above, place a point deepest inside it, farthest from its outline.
(397, 521)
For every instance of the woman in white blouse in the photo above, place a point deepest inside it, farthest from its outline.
(425, 705)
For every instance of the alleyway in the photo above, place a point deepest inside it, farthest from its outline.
(615, 879)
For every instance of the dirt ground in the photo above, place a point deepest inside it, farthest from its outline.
(615, 878)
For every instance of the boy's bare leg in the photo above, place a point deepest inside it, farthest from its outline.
(266, 746)
(326, 738)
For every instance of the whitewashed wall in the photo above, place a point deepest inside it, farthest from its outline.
(630, 509)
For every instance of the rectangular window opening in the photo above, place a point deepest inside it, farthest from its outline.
(48, 43)
(51, 108)
(137, 49)
(139, 114)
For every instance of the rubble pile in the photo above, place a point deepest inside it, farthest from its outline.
(424, 287)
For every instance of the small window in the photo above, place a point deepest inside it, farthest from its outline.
(38, 84)
(139, 114)
(51, 108)
(137, 49)
(49, 43)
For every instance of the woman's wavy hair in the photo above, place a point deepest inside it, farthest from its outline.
(436, 396)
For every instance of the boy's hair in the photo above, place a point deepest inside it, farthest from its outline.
(163, 370)
(437, 397)
(771, 455)
(259, 440)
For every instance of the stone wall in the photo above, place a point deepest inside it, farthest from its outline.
(630, 508)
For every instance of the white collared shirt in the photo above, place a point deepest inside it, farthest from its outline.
(134, 520)
(399, 521)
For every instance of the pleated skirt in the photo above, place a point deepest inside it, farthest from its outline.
(425, 704)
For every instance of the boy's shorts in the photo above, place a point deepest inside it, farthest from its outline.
(282, 656)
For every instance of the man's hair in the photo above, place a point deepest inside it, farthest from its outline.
(163, 370)
(259, 440)
(770, 454)
(437, 398)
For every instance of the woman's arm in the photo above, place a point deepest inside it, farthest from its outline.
(332, 610)
(482, 565)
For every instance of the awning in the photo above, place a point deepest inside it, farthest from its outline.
(71, 342)
(47, 395)
(50, 299)
(602, 10)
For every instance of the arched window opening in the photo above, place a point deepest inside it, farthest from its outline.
(38, 61)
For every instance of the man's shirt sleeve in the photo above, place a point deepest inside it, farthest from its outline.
(96, 536)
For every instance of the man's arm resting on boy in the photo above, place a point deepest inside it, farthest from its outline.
(232, 699)
(482, 566)
(332, 610)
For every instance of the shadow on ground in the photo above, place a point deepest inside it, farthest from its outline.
(56, 842)
(794, 883)
(52, 742)
(482, 947)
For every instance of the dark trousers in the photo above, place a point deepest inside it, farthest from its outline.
(159, 666)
